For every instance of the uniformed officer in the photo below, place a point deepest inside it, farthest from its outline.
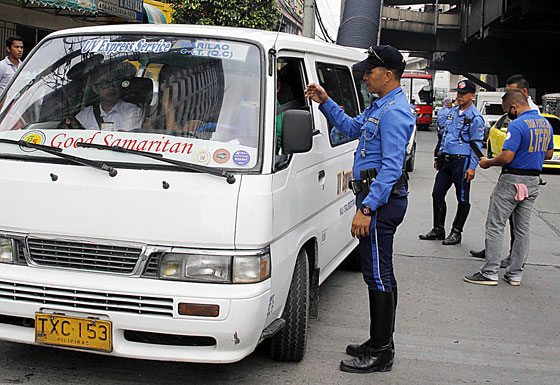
(383, 130)
(441, 121)
(456, 163)
(529, 141)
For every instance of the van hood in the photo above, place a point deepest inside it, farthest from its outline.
(62, 201)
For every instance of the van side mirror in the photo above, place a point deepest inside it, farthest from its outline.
(297, 132)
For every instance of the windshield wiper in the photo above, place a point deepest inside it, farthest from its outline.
(230, 177)
(58, 152)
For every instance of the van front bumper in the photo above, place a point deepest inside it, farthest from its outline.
(137, 306)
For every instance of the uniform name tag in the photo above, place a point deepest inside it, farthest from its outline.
(373, 120)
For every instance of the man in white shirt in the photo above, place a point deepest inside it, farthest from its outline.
(519, 82)
(111, 113)
(9, 66)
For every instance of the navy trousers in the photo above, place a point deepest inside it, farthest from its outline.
(376, 250)
(452, 172)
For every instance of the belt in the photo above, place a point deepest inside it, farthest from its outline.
(450, 157)
(520, 171)
(362, 185)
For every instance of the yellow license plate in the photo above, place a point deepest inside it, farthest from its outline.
(75, 332)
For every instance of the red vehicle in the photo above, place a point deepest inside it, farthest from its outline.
(418, 87)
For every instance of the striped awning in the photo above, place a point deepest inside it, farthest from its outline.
(154, 14)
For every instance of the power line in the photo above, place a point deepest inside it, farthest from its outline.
(321, 25)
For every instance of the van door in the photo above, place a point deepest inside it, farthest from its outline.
(336, 240)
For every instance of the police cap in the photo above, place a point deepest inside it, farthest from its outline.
(465, 86)
(381, 56)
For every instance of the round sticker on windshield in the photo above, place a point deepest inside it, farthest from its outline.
(35, 137)
(221, 155)
(241, 157)
(203, 157)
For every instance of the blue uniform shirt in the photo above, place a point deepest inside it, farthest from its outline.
(442, 119)
(529, 136)
(458, 133)
(383, 129)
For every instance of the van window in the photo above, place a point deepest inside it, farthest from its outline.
(193, 99)
(338, 81)
(290, 86)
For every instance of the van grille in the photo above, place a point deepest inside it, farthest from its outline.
(84, 256)
(86, 300)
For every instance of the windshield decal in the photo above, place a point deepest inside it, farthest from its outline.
(213, 49)
(108, 47)
(193, 150)
(241, 157)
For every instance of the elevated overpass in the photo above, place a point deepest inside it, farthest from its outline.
(500, 37)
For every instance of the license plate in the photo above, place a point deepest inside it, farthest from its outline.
(75, 332)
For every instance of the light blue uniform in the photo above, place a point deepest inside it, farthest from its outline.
(384, 130)
(460, 129)
(381, 146)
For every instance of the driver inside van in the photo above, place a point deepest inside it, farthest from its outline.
(111, 113)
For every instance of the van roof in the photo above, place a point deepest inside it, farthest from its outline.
(266, 38)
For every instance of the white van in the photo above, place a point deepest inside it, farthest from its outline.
(149, 210)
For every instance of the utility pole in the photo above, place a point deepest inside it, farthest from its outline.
(309, 18)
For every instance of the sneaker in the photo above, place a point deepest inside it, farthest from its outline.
(479, 279)
(478, 254)
(512, 282)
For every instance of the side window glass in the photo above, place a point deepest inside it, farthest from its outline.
(290, 86)
(339, 83)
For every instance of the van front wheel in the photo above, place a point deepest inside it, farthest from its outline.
(289, 343)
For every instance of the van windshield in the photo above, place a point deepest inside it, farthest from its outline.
(187, 98)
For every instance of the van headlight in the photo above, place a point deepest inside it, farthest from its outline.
(6, 250)
(215, 268)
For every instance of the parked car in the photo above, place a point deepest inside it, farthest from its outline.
(497, 136)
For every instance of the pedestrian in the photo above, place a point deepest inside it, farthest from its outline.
(9, 66)
(529, 141)
(513, 82)
(455, 163)
(383, 130)
(519, 82)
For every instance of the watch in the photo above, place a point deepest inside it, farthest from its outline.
(366, 210)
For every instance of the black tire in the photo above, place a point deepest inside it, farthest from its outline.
(410, 162)
(353, 261)
(489, 151)
(289, 343)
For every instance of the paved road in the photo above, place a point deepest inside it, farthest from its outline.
(448, 332)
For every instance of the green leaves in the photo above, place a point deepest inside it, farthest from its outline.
(258, 14)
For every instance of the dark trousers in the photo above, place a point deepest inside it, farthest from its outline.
(452, 172)
(376, 250)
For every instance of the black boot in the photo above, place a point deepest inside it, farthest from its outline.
(355, 350)
(454, 237)
(379, 357)
(439, 213)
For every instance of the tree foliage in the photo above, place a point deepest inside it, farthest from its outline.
(258, 14)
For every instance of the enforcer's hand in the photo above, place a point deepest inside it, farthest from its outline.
(316, 93)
